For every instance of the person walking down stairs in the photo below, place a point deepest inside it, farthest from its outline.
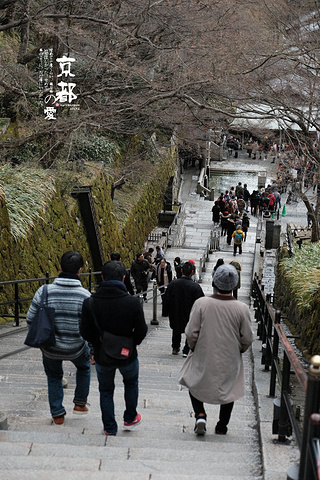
(218, 333)
(111, 310)
(66, 296)
(238, 237)
(177, 303)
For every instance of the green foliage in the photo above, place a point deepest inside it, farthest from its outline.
(94, 148)
(24, 154)
(47, 222)
(28, 193)
(302, 272)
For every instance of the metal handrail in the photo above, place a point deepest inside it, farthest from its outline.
(212, 245)
(272, 334)
(17, 301)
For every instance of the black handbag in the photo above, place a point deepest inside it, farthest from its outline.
(114, 346)
(41, 331)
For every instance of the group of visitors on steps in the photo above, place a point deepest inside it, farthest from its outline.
(219, 324)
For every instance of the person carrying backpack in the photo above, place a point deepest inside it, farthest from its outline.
(238, 237)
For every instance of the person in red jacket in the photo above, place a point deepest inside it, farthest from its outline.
(272, 202)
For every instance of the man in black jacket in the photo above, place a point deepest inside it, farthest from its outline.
(177, 303)
(116, 256)
(139, 270)
(121, 314)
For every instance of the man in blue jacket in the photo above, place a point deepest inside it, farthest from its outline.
(118, 313)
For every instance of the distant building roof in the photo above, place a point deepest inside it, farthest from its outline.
(262, 116)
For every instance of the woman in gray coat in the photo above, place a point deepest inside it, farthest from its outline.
(218, 333)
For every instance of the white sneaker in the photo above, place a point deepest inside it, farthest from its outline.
(200, 426)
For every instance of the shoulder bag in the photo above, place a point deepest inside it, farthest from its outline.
(114, 346)
(41, 332)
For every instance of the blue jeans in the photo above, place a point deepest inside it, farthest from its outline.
(106, 375)
(54, 372)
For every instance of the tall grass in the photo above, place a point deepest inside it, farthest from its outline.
(302, 272)
(28, 191)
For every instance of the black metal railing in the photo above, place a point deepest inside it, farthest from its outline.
(18, 299)
(275, 343)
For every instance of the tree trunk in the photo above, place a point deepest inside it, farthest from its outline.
(313, 211)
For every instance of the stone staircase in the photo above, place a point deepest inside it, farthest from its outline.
(162, 447)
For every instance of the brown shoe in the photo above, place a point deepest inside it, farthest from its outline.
(59, 420)
(80, 409)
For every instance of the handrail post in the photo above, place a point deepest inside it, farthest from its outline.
(284, 420)
(269, 328)
(154, 320)
(312, 454)
(264, 338)
(16, 304)
(311, 406)
(275, 352)
(140, 296)
(90, 280)
(200, 271)
(47, 278)
(211, 241)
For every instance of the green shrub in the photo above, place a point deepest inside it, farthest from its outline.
(94, 147)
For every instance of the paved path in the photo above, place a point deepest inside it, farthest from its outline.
(164, 447)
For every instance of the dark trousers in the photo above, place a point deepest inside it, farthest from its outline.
(106, 378)
(229, 236)
(142, 287)
(224, 415)
(235, 246)
(176, 341)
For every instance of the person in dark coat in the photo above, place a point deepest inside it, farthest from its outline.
(222, 203)
(178, 267)
(139, 271)
(116, 256)
(230, 228)
(245, 225)
(118, 313)
(216, 213)
(246, 196)
(224, 222)
(254, 202)
(177, 303)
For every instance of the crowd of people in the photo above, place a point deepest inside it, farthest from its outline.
(230, 211)
(109, 325)
(217, 328)
(256, 149)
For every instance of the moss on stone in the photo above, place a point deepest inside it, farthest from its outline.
(62, 228)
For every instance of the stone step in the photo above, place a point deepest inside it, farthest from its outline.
(146, 463)
(110, 475)
(144, 437)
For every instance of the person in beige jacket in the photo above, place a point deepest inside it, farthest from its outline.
(218, 333)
